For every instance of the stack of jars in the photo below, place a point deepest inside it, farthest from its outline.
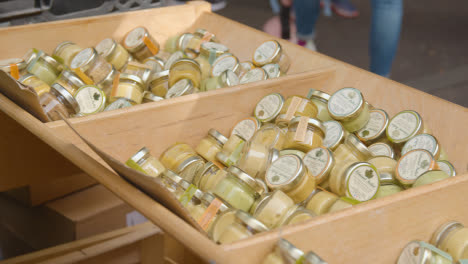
(299, 157)
(112, 75)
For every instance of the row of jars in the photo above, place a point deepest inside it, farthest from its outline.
(112, 75)
(448, 244)
(286, 253)
(288, 161)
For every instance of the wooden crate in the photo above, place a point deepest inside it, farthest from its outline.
(373, 232)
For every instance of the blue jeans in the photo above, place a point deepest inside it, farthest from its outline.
(384, 34)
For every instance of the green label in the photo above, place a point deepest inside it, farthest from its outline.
(188, 194)
(235, 155)
(132, 164)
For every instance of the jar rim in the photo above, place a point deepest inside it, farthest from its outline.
(140, 154)
(251, 222)
(353, 141)
(229, 78)
(152, 97)
(289, 249)
(435, 152)
(180, 41)
(131, 77)
(418, 128)
(382, 130)
(442, 231)
(356, 112)
(159, 75)
(90, 58)
(185, 60)
(290, 183)
(322, 96)
(188, 162)
(67, 95)
(188, 86)
(260, 201)
(386, 146)
(108, 51)
(218, 136)
(275, 55)
(322, 176)
(75, 80)
(244, 177)
(311, 121)
(140, 43)
(172, 176)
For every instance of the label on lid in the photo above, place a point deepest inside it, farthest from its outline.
(413, 164)
(105, 46)
(334, 132)
(265, 52)
(443, 166)
(282, 170)
(246, 128)
(81, 58)
(118, 104)
(344, 102)
(269, 107)
(403, 125)
(317, 161)
(375, 126)
(381, 149)
(173, 58)
(178, 89)
(135, 37)
(422, 141)
(363, 183)
(247, 65)
(273, 70)
(90, 99)
(215, 46)
(224, 63)
(254, 75)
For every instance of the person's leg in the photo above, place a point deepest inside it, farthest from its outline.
(307, 13)
(384, 34)
(345, 8)
(275, 6)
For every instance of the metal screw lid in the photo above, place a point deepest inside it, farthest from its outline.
(140, 154)
(255, 225)
(382, 149)
(352, 141)
(312, 258)
(339, 139)
(172, 176)
(312, 121)
(311, 163)
(75, 80)
(181, 87)
(319, 95)
(159, 75)
(26, 76)
(276, 54)
(348, 115)
(349, 172)
(241, 175)
(5, 64)
(208, 198)
(133, 78)
(185, 185)
(83, 58)
(274, 179)
(67, 96)
(106, 47)
(218, 136)
(185, 61)
(442, 232)
(133, 45)
(265, 197)
(229, 78)
(207, 48)
(363, 133)
(385, 178)
(415, 142)
(188, 162)
(395, 135)
(183, 41)
(288, 251)
(31, 55)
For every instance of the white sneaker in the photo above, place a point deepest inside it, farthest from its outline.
(310, 44)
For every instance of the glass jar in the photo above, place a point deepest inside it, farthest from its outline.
(312, 258)
(159, 83)
(271, 52)
(245, 66)
(289, 174)
(224, 220)
(429, 177)
(232, 150)
(146, 163)
(173, 58)
(185, 69)
(271, 207)
(404, 126)
(209, 52)
(45, 68)
(91, 100)
(360, 181)
(15, 67)
(295, 106)
(70, 81)
(320, 99)
(143, 71)
(127, 86)
(183, 160)
(427, 142)
(334, 134)
(225, 62)
(348, 106)
(413, 164)
(340, 204)
(246, 128)
(375, 128)
(296, 152)
(171, 181)
(211, 145)
(320, 201)
(34, 82)
(304, 134)
(286, 253)
(254, 75)
(346, 154)
(238, 189)
(93, 69)
(273, 70)
(140, 43)
(382, 149)
(226, 79)
(256, 158)
(209, 177)
(65, 52)
(180, 88)
(419, 252)
(244, 226)
(387, 189)
(300, 215)
(155, 63)
(171, 44)
(149, 97)
(385, 167)
(452, 237)
(113, 52)
(58, 101)
(191, 196)
(269, 107)
(208, 210)
(319, 161)
(447, 167)
(118, 104)
(270, 136)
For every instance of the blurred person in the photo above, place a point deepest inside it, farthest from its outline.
(344, 8)
(384, 33)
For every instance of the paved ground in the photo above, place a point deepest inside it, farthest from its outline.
(433, 52)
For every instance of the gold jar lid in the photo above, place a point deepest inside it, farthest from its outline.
(273, 70)
(213, 49)
(185, 61)
(244, 177)
(172, 176)
(134, 39)
(264, 198)
(71, 77)
(413, 164)
(246, 128)
(319, 95)
(106, 47)
(160, 62)
(229, 78)
(382, 149)
(183, 41)
(223, 63)
(150, 97)
(218, 136)
(5, 65)
(442, 232)
(83, 59)
(353, 142)
(133, 78)
(269, 107)
(267, 52)
(285, 173)
(159, 75)
(311, 122)
(404, 125)
(208, 198)
(319, 162)
(422, 141)
(447, 167)
(288, 251)
(361, 181)
(254, 75)
(346, 104)
(375, 127)
(334, 134)
(181, 87)
(248, 220)
(67, 96)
